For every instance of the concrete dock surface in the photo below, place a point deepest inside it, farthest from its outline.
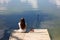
(38, 34)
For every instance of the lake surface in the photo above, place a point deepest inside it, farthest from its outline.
(34, 19)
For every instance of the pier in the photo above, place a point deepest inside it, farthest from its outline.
(38, 34)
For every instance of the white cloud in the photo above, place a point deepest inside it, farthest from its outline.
(34, 3)
(4, 1)
(56, 2)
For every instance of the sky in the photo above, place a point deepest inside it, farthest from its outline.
(48, 6)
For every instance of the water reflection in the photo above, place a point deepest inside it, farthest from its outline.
(3, 5)
(4, 1)
(3, 9)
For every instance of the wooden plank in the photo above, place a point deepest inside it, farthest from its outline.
(38, 34)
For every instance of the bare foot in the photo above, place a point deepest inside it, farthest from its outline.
(32, 30)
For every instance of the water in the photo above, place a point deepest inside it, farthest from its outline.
(34, 19)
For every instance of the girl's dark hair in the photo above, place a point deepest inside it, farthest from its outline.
(22, 23)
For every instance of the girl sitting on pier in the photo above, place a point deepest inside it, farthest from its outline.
(22, 26)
